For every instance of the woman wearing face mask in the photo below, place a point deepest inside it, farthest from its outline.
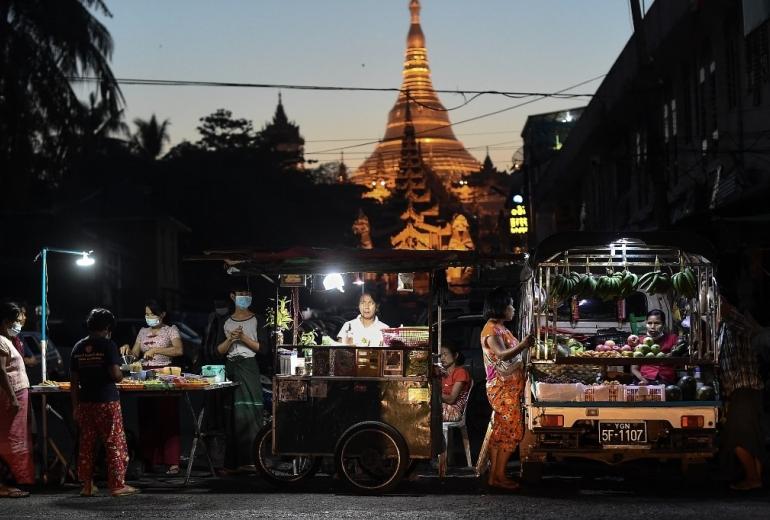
(656, 324)
(15, 439)
(240, 348)
(158, 416)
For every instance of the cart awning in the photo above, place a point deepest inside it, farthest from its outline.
(311, 260)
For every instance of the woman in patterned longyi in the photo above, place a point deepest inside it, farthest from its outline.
(94, 370)
(505, 383)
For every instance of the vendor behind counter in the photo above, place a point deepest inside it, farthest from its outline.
(366, 328)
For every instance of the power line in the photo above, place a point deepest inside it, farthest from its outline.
(475, 118)
(334, 88)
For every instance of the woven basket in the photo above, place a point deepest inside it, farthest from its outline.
(414, 337)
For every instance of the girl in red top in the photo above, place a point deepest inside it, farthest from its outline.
(656, 324)
(455, 384)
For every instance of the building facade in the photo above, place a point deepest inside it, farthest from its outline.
(678, 137)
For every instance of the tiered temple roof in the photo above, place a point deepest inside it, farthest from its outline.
(442, 152)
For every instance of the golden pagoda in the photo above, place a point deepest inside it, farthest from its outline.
(442, 152)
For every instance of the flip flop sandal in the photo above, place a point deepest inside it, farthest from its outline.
(14, 493)
(94, 492)
(126, 491)
(173, 471)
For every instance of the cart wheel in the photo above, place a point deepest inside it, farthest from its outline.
(281, 470)
(372, 457)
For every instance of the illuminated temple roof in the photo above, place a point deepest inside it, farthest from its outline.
(441, 150)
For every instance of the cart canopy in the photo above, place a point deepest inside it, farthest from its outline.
(312, 260)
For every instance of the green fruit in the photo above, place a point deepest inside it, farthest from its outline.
(638, 353)
(655, 349)
(649, 354)
(649, 341)
(660, 354)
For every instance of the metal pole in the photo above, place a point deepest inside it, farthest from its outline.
(44, 309)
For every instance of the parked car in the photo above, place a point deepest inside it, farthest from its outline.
(55, 366)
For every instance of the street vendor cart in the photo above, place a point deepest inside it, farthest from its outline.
(581, 399)
(373, 409)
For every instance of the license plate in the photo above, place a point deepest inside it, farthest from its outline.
(616, 433)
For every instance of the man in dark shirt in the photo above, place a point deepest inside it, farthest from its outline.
(94, 370)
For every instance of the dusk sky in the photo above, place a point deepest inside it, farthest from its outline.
(509, 45)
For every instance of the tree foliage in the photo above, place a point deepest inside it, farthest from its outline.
(221, 131)
(43, 45)
(150, 137)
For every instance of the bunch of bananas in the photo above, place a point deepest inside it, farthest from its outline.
(654, 282)
(616, 285)
(685, 283)
(564, 285)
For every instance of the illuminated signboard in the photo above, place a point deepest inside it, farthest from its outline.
(518, 220)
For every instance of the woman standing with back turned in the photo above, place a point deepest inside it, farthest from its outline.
(505, 383)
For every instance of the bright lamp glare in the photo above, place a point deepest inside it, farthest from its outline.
(334, 281)
(85, 260)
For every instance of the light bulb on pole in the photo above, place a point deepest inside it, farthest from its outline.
(85, 260)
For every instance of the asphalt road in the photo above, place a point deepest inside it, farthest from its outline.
(459, 496)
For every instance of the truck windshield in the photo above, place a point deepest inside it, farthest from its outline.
(597, 310)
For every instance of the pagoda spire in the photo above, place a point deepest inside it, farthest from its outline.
(430, 120)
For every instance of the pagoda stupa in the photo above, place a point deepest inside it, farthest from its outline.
(441, 151)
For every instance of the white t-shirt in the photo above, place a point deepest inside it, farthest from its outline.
(363, 336)
(238, 348)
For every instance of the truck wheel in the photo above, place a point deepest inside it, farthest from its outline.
(281, 470)
(371, 457)
(531, 472)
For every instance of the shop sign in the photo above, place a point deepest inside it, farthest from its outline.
(518, 220)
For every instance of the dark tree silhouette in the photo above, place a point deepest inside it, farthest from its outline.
(150, 137)
(43, 45)
(220, 131)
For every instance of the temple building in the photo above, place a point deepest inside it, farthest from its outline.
(441, 151)
(283, 138)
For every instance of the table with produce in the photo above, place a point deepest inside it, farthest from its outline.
(147, 381)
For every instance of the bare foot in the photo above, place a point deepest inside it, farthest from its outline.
(89, 490)
(125, 491)
(746, 485)
(504, 483)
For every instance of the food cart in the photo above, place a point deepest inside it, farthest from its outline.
(374, 410)
(580, 398)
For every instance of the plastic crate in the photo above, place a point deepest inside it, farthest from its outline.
(637, 394)
(593, 393)
(559, 391)
(414, 337)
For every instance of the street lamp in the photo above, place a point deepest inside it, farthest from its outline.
(85, 260)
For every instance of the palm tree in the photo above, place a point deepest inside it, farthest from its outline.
(44, 46)
(150, 137)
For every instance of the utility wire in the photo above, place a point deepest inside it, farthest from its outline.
(475, 118)
(184, 83)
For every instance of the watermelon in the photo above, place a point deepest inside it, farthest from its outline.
(688, 385)
(673, 393)
(706, 393)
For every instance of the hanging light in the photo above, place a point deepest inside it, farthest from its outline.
(358, 280)
(334, 281)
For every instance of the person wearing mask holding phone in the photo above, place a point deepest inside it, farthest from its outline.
(158, 416)
(240, 348)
